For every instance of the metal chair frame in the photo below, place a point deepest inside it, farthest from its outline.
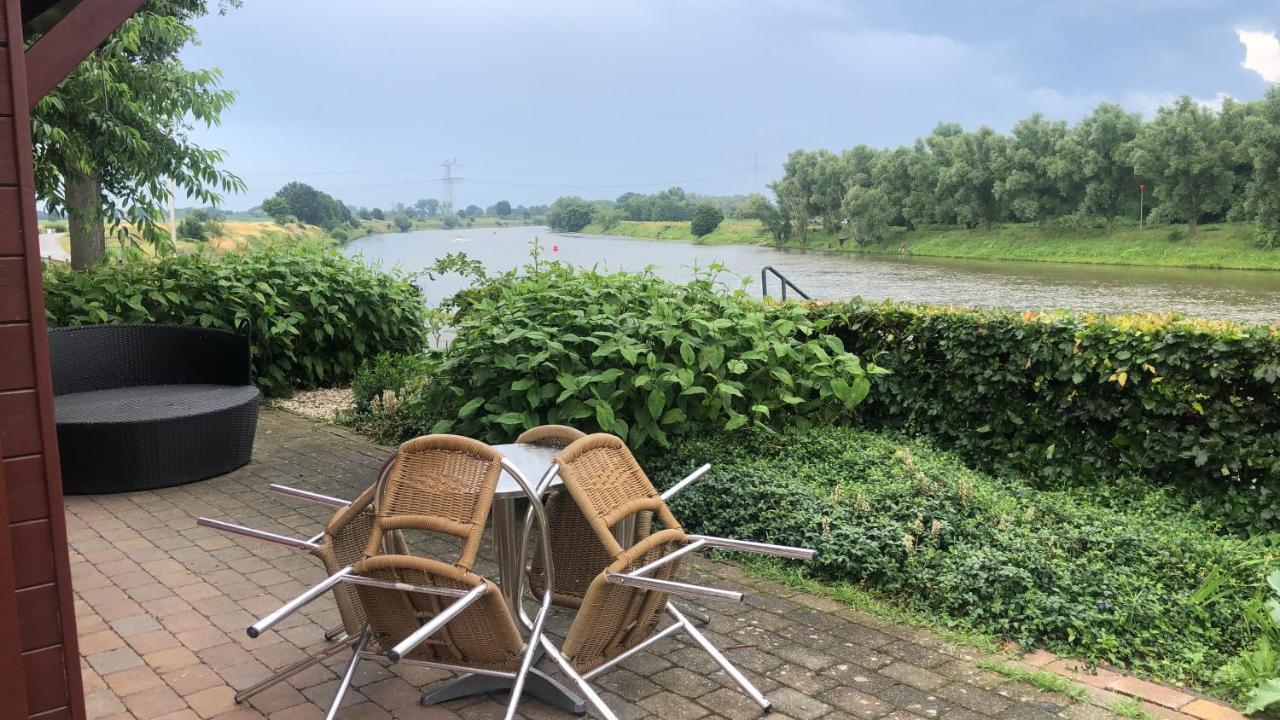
(680, 621)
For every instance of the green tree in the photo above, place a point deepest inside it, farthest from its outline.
(1262, 198)
(1095, 158)
(449, 220)
(706, 218)
(570, 214)
(1184, 153)
(608, 219)
(502, 209)
(969, 174)
(1030, 186)
(377, 214)
(795, 192)
(277, 209)
(758, 207)
(108, 138)
(868, 213)
(311, 206)
(827, 184)
(403, 223)
(471, 212)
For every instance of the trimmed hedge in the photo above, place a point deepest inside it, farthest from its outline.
(1069, 399)
(313, 315)
(1045, 568)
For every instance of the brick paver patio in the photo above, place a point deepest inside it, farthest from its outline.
(162, 606)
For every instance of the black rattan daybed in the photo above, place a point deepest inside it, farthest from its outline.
(148, 406)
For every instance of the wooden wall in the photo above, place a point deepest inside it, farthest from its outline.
(39, 661)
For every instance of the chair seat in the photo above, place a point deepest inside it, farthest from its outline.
(149, 403)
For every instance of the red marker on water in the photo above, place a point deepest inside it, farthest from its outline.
(555, 248)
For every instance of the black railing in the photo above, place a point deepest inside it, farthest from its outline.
(764, 283)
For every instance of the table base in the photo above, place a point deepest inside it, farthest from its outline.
(536, 683)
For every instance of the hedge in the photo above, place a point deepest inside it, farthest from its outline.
(313, 315)
(1045, 568)
(1071, 399)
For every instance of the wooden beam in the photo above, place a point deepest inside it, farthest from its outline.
(58, 51)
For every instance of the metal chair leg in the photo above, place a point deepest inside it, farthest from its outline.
(334, 631)
(346, 677)
(695, 613)
(295, 668)
(720, 659)
(588, 692)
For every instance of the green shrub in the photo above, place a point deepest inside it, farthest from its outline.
(1043, 568)
(706, 218)
(312, 314)
(1079, 398)
(631, 354)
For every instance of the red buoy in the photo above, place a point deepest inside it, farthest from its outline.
(555, 248)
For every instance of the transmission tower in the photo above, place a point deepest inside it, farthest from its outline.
(447, 182)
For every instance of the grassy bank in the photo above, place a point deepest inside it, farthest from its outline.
(1227, 245)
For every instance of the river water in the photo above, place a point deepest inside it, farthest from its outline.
(1251, 296)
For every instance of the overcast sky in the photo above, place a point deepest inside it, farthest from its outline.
(596, 97)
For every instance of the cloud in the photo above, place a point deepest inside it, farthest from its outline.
(1262, 53)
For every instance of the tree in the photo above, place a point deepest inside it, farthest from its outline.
(1262, 195)
(277, 209)
(826, 187)
(570, 214)
(795, 192)
(403, 223)
(449, 220)
(867, 212)
(433, 206)
(1183, 152)
(758, 207)
(502, 209)
(971, 164)
(199, 225)
(108, 138)
(706, 218)
(608, 219)
(1030, 185)
(309, 205)
(377, 214)
(471, 212)
(1096, 159)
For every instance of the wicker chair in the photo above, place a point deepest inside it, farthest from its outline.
(579, 556)
(342, 543)
(625, 601)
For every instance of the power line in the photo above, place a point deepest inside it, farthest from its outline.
(755, 160)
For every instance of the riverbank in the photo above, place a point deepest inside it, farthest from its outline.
(1221, 246)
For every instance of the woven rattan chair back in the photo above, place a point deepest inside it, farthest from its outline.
(345, 538)
(442, 484)
(482, 636)
(608, 485)
(556, 436)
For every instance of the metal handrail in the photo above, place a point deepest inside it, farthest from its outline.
(786, 283)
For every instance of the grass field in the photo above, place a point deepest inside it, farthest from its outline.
(1227, 245)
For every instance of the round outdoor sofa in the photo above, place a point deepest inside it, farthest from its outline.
(140, 407)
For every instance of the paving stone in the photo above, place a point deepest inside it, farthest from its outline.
(1206, 710)
(1151, 692)
(856, 703)
(914, 676)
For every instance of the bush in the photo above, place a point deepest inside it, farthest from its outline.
(312, 314)
(570, 214)
(633, 355)
(1042, 568)
(1075, 399)
(403, 223)
(706, 218)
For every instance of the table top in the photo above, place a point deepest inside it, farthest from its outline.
(532, 460)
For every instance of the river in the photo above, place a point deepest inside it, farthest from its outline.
(1251, 296)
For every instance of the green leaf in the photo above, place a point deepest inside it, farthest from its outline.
(1263, 696)
(469, 408)
(657, 402)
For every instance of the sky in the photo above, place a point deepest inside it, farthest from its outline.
(597, 97)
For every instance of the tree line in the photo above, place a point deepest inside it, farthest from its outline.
(1196, 164)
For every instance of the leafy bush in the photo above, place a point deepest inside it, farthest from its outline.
(630, 354)
(1044, 568)
(312, 314)
(1078, 398)
(403, 223)
(706, 218)
(1255, 673)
